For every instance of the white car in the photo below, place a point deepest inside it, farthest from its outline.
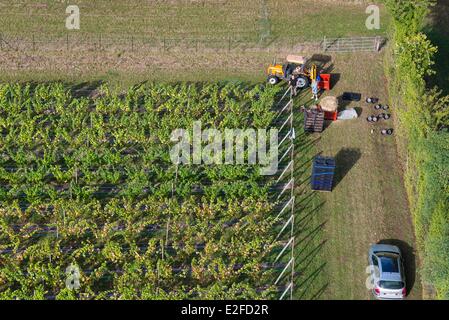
(388, 276)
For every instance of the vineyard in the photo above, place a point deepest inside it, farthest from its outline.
(88, 182)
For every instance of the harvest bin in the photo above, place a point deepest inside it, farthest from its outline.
(323, 173)
(325, 82)
(330, 115)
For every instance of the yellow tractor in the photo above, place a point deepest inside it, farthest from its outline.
(295, 68)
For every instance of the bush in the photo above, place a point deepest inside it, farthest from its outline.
(423, 119)
(436, 268)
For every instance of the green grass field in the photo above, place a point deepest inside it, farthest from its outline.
(368, 203)
(246, 20)
(123, 42)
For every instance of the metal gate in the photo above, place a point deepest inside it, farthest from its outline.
(373, 44)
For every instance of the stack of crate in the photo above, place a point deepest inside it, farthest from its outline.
(323, 173)
(313, 120)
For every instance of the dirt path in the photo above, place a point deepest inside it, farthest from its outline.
(368, 203)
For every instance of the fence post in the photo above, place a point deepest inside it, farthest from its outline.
(290, 185)
(377, 43)
(292, 195)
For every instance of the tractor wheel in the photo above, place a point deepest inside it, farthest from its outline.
(302, 82)
(273, 80)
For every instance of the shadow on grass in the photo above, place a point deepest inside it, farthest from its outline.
(308, 238)
(322, 60)
(304, 148)
(342, 103)
(409, 258)
(307, 163)
(309, 214)
(320, 292)
(335, 78)
(310, 282)
(305, 285)
(359, 111)
(345, 159)
(84, 89)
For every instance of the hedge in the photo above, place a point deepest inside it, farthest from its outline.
(423, 137)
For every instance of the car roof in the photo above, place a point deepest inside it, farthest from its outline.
(389, 262)
(385, 248)
(389, 266)
(390, 277)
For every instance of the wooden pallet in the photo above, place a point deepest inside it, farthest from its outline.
(313, 121)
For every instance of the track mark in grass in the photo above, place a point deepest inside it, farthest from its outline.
(265, 23)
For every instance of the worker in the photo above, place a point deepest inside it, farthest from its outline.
(315, 89)
(293, 85)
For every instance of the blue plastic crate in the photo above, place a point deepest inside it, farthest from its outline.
(323, 172)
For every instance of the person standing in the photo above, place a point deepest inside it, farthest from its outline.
(293, 85)
(315, 89)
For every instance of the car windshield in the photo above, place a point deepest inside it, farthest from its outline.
(392, 285)
(389, 262)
